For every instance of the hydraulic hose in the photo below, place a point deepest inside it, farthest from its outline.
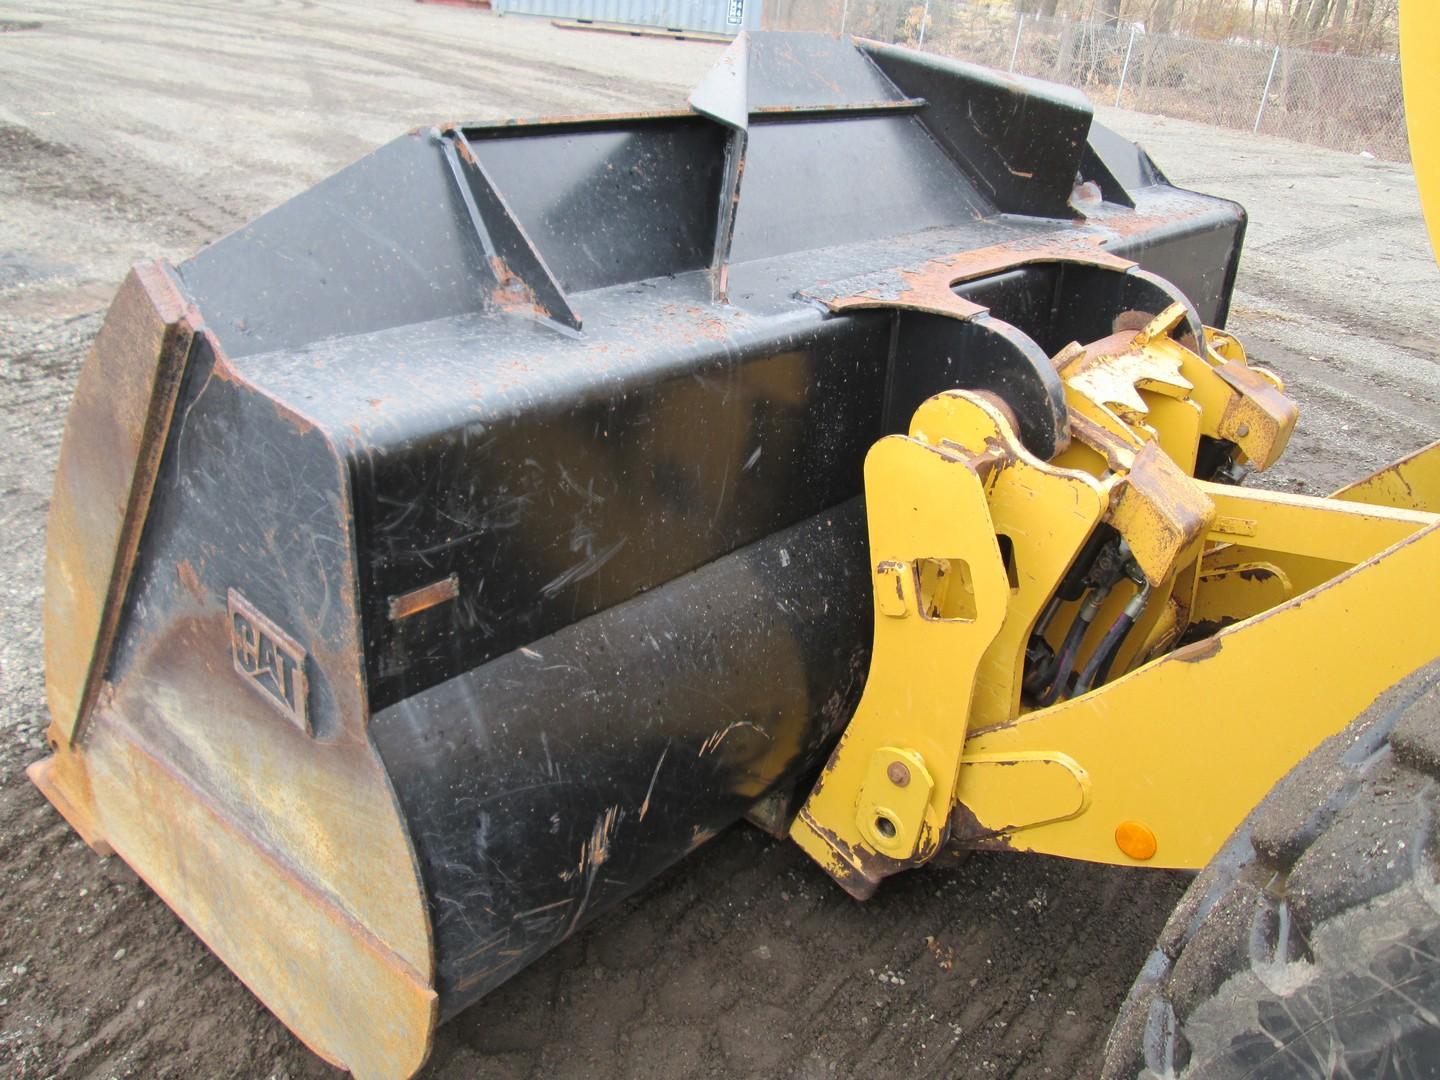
(1098, 666)
(1070, 648)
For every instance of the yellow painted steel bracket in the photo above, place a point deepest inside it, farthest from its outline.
(940, 598)
(1284, 608)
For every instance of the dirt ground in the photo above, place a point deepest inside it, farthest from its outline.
(144, 129)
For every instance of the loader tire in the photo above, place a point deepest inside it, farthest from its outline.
(1310, 946)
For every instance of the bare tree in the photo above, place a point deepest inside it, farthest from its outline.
(1361, 27)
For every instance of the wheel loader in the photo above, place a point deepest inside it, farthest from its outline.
(859, 451)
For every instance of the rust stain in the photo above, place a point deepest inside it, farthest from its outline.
(225, 371)
(191, 580)
(511, 294)
(968, 831)
(424, 598)
(202, 806)
(1124, 226)
(708, 326)
(849, 869)
(78, 814)
(930, 287)
(601, 119)
(115, 434)
(462, 146)
(256, 864)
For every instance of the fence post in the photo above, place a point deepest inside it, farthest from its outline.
(924, 18)
(1265, 94)
(1019, 26)
(1125, 68)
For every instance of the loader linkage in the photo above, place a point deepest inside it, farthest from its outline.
(1065, 650)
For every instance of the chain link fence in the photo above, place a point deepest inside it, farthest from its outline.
(1345, 102)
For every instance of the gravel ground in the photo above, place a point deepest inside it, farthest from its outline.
(136, 130)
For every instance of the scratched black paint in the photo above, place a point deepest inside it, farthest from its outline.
(234, 472)
(556, 780)
(548, 514)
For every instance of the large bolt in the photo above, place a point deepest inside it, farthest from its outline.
(897, 772)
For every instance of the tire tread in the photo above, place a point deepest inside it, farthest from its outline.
(1353, 824)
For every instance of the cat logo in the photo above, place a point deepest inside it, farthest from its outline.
(269, 660)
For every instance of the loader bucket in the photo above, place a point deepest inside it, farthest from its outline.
(435, 560)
